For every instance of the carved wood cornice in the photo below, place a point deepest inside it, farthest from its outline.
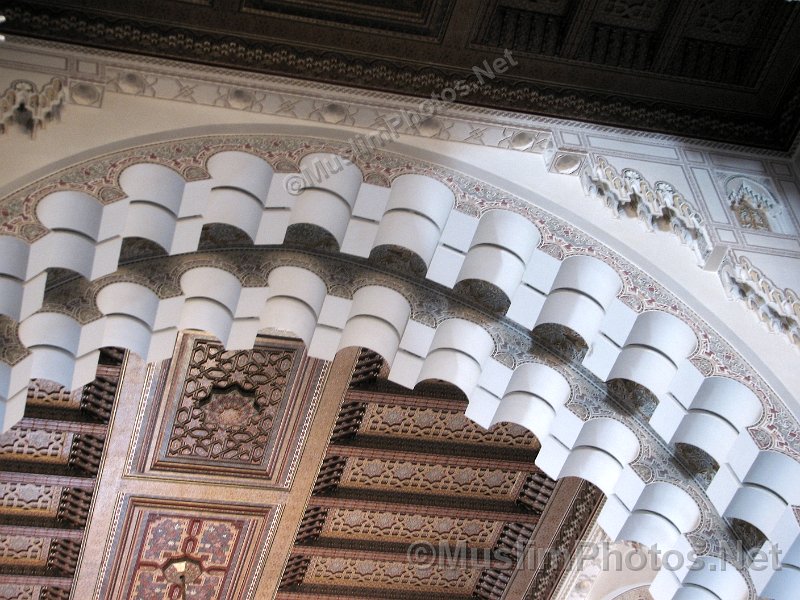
(189, 40)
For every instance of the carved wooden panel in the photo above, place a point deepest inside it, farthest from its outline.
(237, 415)
(642, 14)
(29, 499)
(408, 528)
(390, 575)
(617, 46)
(43, 392)
(432, 424)
(20, 443)
(23, 551)
(413, 17)
(424, 478)
(728, 20)
(19, 592)
(229, 403)
(369, 499)
(63, 558)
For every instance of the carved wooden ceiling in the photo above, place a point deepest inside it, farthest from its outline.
(725, 70)
(395, 471)
(49, 465)
(407, 476)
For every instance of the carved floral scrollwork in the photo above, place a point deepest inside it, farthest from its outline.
(23, 103)
(230, 402)
(778, 309)
(658, 206)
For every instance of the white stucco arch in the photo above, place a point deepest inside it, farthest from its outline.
(650, 347)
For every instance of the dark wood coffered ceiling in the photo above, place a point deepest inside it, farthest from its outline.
(397, 470)
(726, 70)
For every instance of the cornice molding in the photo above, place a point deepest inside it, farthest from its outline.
(230, 88)
(280, 58)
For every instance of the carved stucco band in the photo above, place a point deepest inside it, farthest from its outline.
(778, 309)
(651, 203)
(22, 102)
(544, 269)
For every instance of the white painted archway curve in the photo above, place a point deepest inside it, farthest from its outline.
(168, 199)
(422, 330)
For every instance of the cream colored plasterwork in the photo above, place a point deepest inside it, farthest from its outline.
(778, 309)
(23, 103)
(568, 148)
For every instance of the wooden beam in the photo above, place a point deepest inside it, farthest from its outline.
(580, 23)
(471, 558)
(415, 504)
(313, 592)
(674, 23)
(440, 453)
(398, 399)
(51, 479)
(34, 531)
(36, 580)
(557, 518)
(45, 424)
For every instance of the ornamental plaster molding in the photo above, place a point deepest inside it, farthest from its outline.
(778, 309)
(162, 79)
(166, 79)
(657, 206)
(564, 151)
(32, 108)
(100, 179)
(628, 193)
(745, 190)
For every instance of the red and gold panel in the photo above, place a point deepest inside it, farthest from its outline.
(224, 542)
